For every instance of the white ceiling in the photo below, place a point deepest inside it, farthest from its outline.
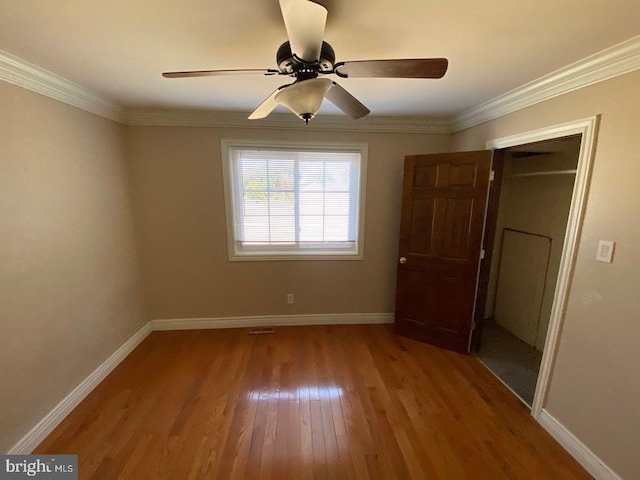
(119, 48)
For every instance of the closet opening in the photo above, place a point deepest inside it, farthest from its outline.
(534, 189)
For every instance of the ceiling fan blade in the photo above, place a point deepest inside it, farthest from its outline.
(346, 102)
(216, 73)
(304, 21)
(268, 105)
(406, 68)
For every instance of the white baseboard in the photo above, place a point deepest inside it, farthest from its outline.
(271, 321)
(578, 450)
(45, 426)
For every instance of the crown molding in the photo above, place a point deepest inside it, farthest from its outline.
(609, 63)
(32, 77)
(285, 121)
(27, 75)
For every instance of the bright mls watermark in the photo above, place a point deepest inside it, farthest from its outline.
(41, 467)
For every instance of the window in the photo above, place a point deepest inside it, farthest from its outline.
(292, 200)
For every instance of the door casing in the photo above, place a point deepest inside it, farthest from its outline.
(587, 128)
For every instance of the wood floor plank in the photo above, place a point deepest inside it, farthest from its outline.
(321, 402)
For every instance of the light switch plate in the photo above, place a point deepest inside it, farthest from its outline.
(605, 251)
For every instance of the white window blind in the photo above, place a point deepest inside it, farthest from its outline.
(294, 201)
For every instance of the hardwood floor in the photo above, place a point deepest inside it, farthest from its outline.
(344, 402)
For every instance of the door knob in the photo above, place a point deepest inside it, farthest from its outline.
(403, 260)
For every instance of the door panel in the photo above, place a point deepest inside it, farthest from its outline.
(454, 234)
(421, 225)
(444, 197)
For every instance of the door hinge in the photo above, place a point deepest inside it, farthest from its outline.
(492, 175)
(482, 254)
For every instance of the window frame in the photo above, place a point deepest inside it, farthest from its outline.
(274, 253)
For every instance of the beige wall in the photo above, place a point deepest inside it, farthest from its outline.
(595, 385)
(179, 206)
(69, 282)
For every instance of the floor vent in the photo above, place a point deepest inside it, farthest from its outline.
(260, 330)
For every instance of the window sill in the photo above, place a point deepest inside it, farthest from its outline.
(287, 256)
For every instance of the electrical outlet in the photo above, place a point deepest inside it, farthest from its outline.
(289, 298)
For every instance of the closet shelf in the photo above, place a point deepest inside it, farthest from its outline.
(536, 174)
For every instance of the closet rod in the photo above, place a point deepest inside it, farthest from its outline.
(535, 174)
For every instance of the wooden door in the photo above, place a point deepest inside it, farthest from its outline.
(443, 205)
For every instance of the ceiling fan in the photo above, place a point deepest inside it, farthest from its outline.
(306, 57)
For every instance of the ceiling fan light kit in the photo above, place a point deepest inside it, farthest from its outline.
(306, 56)
(304, 98)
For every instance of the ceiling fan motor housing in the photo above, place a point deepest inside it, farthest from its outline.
(289, 64)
